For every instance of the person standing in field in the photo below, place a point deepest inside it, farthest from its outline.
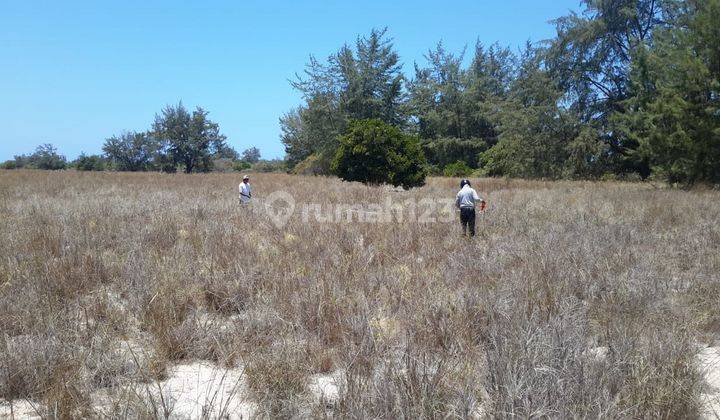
(465, 201)
(245, 190)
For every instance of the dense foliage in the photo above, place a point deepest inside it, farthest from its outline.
(457, 169)
(375, 152)
(133, 151)
(190, 139)
(672, 114)
(626, 88)
(86, 162)
(361, 83)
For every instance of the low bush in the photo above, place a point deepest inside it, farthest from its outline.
(377, 153)
(457, 169)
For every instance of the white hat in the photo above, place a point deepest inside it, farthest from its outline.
(246, 177)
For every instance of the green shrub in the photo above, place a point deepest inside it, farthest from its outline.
(458, 168)
(374, 152)
(47, 157)
(89, 163)
(9, 164)
(241, 165)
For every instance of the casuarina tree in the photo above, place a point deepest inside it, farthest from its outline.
(674, 113)
(360, 81)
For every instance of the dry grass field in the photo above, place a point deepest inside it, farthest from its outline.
(576, 299)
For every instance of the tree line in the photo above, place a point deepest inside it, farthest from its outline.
(179, 140)
(626, 89)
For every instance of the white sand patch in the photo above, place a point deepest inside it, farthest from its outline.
(326, 388)
(191, 391)
(20, 409)
(598, 354)
(203, 390)
(709, 359)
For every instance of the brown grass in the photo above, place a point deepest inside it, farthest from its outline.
(422, 323)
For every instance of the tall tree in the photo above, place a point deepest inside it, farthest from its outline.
(674, 111)
(534, 129)
(191, 139)
(436, 96)
(371, 80)
(591, 59)
(490, 78)
(46, 156)
(592, 53)
(132, 151)
(449, 101)
(455, 109)
(355, 83)
(294, 136)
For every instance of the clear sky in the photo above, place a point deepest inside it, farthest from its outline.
(73, 73)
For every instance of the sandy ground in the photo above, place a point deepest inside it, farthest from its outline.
(21, 409)
(326, 388)
(709, 359)
(192, 391)
(196, 390)
(203, 390)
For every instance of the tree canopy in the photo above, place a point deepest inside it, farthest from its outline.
(359, 82)
(132, 151)
(191, 138)
(627, 87)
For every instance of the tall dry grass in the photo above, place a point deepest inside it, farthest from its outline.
(576, 299)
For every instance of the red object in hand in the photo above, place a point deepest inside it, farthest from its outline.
(482, 206)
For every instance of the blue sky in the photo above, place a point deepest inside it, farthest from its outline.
(73, 73)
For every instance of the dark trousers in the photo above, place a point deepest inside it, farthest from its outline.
(467, 219)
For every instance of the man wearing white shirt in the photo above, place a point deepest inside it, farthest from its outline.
(465, 201)
(245, 190)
